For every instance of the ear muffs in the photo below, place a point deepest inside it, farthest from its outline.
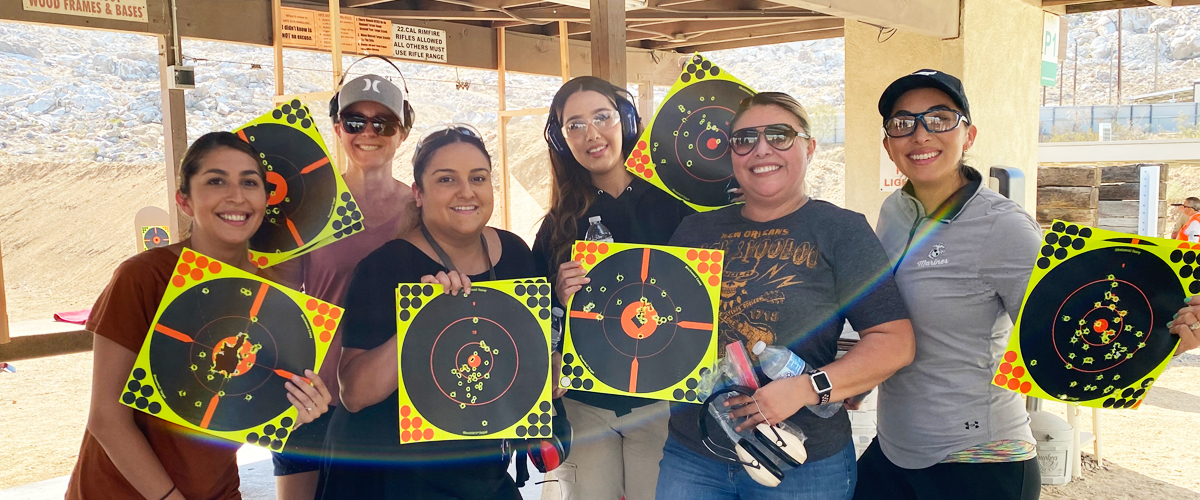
(760, 468)
(548, 453)
(783, 444)
(630, 120)
(409, 117)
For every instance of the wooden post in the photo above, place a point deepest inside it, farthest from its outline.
(645, 102)
(1096, 436)
(174, 124)
(3, 305)
(608, 41)
(502, 140)
(335, 33)
(1076, 458)
(277, 41)
(564, 51)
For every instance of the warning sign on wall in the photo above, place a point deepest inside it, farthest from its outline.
(299, 28)
(123, 10)
(418, 44)
(374, 36)
(349, 27)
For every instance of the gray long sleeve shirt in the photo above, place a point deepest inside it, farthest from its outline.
(962, 272)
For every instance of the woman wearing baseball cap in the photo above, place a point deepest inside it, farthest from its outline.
(962, 255)
(372, 117)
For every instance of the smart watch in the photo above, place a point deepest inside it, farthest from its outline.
(821, 384)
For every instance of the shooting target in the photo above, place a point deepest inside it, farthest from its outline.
(308, 203)
(645, 325)
(154, 237)
(474, 367)
(1092, 329)
(220, 349)
(685, 148)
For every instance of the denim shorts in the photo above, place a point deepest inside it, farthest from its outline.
(685, 475)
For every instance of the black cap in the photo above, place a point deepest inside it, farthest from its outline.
(926, 78)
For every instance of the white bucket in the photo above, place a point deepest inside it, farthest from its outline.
(1054, 446)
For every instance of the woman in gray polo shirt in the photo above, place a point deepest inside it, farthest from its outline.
(962, 255)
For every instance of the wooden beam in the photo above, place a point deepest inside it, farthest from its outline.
(335, 40)
(564, 50)
(3, 304)
(768, 40)
(174, 123)
(583, 16)
(608, 41)
(753, 32)
(364, 3)
(1056, 3)
(502, 139)
(524, 112)
(1100, 6)
(307, 96)
(277, 43)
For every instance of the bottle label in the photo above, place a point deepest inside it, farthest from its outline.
(793, 368)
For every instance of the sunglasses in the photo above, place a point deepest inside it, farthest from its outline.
(442, 131)
(780, 136)
(354, 123)
(935, 121)
(603, 120)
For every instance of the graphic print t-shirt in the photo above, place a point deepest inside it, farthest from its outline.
(793, 281)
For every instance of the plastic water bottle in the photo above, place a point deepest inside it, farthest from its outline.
(597, 232)
(779, 363)
(556, 327)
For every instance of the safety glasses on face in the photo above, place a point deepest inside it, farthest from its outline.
(780, 136)
(354, 123)
(935, 121)
(604, 120)
(445, 130)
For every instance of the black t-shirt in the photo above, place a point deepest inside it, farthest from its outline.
(641, 214)
(793, 281)
(369, 461)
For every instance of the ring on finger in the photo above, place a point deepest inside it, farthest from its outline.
(1194, 326)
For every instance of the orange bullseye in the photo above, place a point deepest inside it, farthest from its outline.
(279, 188)
(634, 330)
(1100, 325)
(474, 361)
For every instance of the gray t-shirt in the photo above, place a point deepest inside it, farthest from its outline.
(793, 281)
(963, 272)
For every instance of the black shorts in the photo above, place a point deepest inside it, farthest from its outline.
(303, 450)
(880, 479)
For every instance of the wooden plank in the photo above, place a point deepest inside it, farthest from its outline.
(277, 43)
(305, 97)
(174, 124)
(564, 50)
(1069, 176)
(1121, 173)
(3, 304)
(157, 14)
(1076, 215)
(1124, 225)
(1066, 197)
(502, 139)
(43, 338)
(1119, 209)
(525, 112)
(608, 41)
(1117, 192)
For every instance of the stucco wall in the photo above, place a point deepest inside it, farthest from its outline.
(997, 57)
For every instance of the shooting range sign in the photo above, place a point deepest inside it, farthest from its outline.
(121, 10)
(685, 147)
(646, 324)
(220, 349)
(308, 205)
(477, 366)
(1093, 327)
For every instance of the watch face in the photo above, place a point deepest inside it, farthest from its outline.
(821, 382)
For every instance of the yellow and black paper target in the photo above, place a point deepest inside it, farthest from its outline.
(646, 323)
(221, 347)
(155, 237)
(685, 148)
(477, 366)
(1093, 327)
(309, 205)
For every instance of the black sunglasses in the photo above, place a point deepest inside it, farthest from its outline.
(780, 136)
(445, 130)
(354, 123)
(935, 121)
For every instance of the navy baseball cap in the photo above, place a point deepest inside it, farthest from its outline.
(925, 78)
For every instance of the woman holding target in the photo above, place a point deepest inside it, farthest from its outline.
(592, 128)
(962, 255)
(372, 117)
(452, 245)
(130, 454)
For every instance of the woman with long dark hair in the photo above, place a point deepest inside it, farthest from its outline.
(130, 454)
(593, 126)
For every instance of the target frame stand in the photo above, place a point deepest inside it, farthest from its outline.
(1092, 328)
(222, 344)
(618, 342)
(684, 150)
(309, 205)
(477, 366)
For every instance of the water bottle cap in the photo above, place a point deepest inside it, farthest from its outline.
(758, 348)
(594, 219)
(558, 313)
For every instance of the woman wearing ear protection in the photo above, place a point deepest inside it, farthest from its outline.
(592, 128)
(962, 255)
(795, 270)
(372, 117)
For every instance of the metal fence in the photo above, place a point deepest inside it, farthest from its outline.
(1129, 122)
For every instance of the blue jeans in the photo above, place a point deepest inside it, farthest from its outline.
(685, 475)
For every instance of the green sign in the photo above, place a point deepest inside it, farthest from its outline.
(1050, 32)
